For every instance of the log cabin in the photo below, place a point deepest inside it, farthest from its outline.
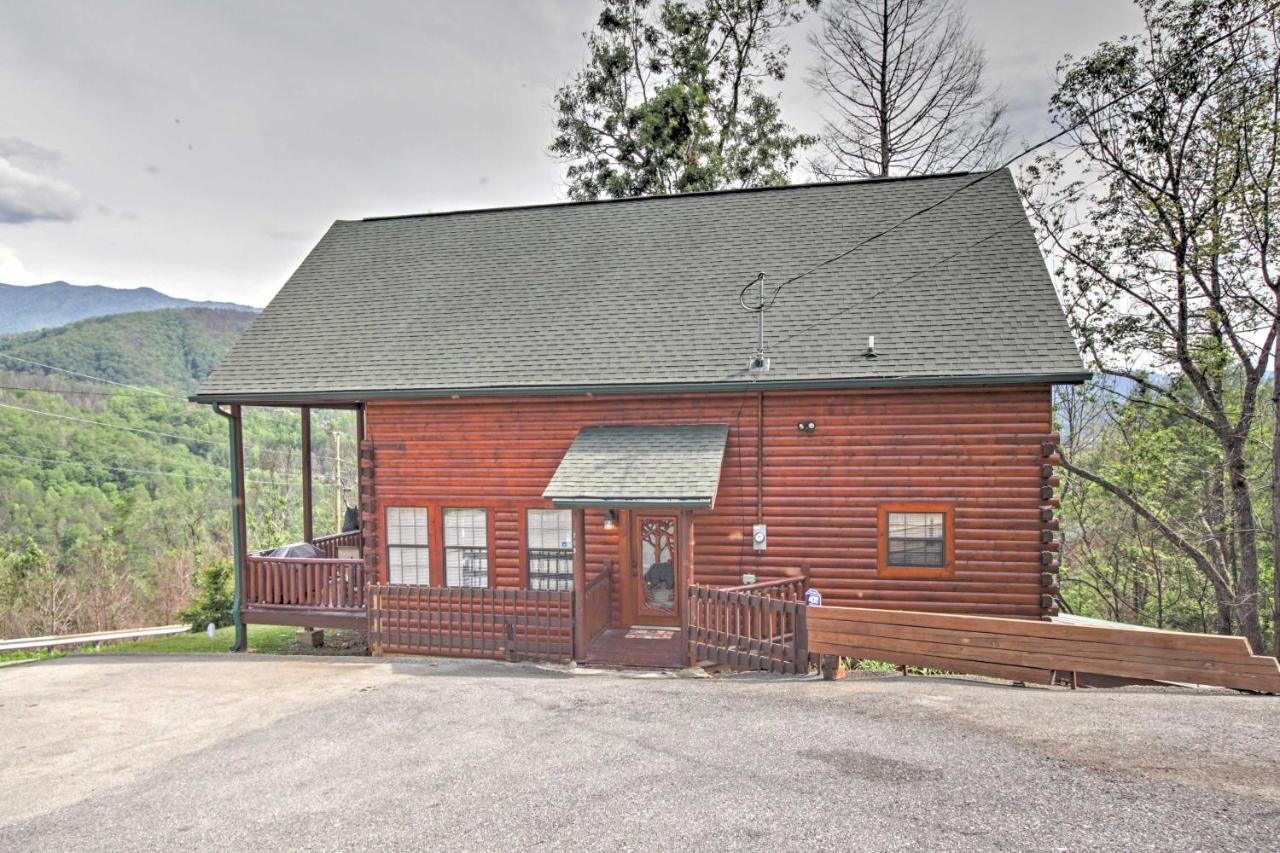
(566, 420)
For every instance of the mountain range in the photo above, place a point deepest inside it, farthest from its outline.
(56, 303)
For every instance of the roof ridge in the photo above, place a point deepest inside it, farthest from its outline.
(670, 196)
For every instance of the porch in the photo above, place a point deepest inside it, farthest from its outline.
(311, 592)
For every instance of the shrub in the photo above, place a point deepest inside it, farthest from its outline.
(214, 600)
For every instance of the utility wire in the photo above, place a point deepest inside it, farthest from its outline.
(90, 376)
(1006, 164)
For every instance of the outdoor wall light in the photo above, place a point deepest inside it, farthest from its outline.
(610, 519)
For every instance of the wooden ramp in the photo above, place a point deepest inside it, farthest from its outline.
(1039, 652)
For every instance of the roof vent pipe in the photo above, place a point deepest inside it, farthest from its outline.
(871, 348)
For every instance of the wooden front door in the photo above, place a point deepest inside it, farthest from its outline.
(652, 595)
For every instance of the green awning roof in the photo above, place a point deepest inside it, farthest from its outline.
(641, 466)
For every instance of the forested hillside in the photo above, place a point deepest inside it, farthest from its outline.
(112, 497)
(44, 306)
(171, 349)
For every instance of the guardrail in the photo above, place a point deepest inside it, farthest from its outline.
(23, 644)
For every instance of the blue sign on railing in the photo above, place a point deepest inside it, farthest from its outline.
(812, 597)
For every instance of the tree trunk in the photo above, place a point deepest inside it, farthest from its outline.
(1247, 607)
(1275, 490)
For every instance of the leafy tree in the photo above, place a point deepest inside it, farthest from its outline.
(902, 82)
(215, 599)
(672, 99)
(1172, 284)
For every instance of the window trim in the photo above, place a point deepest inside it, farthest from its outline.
(526, 576)
(445, 546)
(430, 547)
(948, 545)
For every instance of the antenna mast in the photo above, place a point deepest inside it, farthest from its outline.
(759, 362)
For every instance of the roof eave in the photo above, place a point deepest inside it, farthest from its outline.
(297, 398)
(632, 503)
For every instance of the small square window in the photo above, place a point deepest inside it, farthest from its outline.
(915, 537)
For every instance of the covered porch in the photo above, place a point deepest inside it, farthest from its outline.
(323, 581)
(649, 482)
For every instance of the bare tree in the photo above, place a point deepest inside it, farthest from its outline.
(903, 84)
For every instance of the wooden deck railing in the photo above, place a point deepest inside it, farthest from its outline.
(595, 605)
(303, 583)
(471, 622)
(331, 543)
(783, 589)
(759, 629)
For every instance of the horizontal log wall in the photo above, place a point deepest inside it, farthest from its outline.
(980, 449)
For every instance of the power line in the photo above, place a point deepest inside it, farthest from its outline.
(112, 426)
(66, 392)
(90, 376)
(109, 467)
(1006, 164)
(143, 431)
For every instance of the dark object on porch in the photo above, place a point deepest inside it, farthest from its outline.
(299, 550)
(351, 519)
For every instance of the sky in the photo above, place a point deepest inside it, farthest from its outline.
(202, 148)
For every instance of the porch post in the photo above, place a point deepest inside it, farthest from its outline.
(308, 531)
(239, 534)
(579, 583)
(682, 594)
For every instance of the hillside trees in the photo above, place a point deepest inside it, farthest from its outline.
(673, 99)
(1171, 281)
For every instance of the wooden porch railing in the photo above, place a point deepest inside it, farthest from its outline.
(471, 622)
(763, 628)
(331, 543)
(303, 583)
(782, 589)
(595, 604)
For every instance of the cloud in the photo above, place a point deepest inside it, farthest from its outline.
(24, 153)
(27, 196)
(12, 270)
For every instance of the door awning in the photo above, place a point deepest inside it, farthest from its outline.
(641, 466)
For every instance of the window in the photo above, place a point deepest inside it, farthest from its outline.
(466, 547)
(408, 558)
(916, 537)
(549, 548)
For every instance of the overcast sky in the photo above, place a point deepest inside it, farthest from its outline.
(201, 148)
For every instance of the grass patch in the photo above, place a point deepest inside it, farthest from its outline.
(9, 657)
(265, 639)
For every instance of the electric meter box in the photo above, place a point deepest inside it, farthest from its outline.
(759, 537)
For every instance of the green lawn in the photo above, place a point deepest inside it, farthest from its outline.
(267, 639)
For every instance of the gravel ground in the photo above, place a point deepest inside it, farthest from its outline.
(241, 752)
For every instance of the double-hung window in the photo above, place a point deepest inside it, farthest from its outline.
(408, 557)
(916, 537)
(466, 547)
(549, 548)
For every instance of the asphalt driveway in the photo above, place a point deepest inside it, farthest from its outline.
(245, 752)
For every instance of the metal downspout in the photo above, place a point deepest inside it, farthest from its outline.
(237, 547)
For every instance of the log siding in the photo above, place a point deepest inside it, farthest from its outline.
(980, 450)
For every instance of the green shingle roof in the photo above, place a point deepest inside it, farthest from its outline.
(643, 294)
(641, 466)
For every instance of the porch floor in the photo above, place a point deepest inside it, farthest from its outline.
(636, 646)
